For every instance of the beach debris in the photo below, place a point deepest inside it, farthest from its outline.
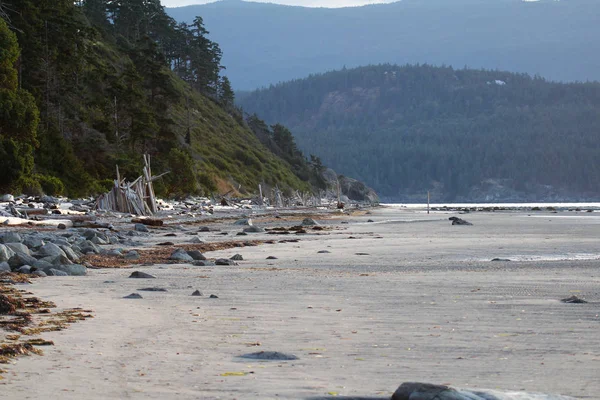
(213, 296)
(133, 296)
(153, 289)
(459, 221)
(361, 254)
(235, 373)
(270, 355)
(148, 221)
(141, 275)
(573, 300)
(237, 257)
(197, 293)
(135, 197)
(427, 391)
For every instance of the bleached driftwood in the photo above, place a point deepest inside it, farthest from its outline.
(135, 197)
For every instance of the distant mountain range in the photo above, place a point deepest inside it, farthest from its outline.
(464, 135)
(266, 43)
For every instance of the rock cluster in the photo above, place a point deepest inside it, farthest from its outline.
(57, 254)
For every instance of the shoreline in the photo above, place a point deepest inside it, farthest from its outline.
(413, 305)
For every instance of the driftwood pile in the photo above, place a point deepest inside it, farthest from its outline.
(135, 197)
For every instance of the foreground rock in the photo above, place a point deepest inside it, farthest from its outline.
(459, 221)
(427, 391)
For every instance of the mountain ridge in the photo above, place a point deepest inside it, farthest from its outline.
(267, 43)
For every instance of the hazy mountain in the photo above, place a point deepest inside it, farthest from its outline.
(267, 43)
(464, 134)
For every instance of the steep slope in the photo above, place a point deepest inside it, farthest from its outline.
(464, 134)
(266, 43)
(113, 80)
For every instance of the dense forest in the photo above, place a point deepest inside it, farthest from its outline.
(268, 43)
(457, 132)
(91, 84)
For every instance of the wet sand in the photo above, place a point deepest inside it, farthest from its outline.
(407, 297)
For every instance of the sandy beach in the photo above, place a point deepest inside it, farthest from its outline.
(406, 297)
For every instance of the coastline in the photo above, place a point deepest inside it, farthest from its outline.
(407, 297)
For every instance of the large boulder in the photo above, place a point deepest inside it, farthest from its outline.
(20, 259)
(181, 255)
(5, 253)
(357, 191)
(50, 250)
(18, 248)
(11, 237)
(4, 267)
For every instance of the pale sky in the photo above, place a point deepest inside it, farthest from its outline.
(305, 3)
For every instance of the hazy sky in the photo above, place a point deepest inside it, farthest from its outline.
(305, 3)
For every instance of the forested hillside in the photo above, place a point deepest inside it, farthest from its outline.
(464, 134)
(90, 84)
(265, 44)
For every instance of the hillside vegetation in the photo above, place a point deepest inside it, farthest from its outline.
(267, 43)
(460, 133)
(90, 84)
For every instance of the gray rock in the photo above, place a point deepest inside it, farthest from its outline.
(153, 289)
(20, 259)
(5, 198)
(181, 255)
(132, 255)
(4, 267)
(98, 240)
(197, 293)
(270, 355)
(89, 234)
(61, 226)
(18, 248)
(243, 221)
(224, 261)
(500, 259)
(133, 296)
(241, 234)
(323, 252)
(57, 260)
(50, 249)
(75, 269)
(141, 275)
(5, 253)
(253, 229)
(213, 296)
(459, 221)
(70, 253)
(574, 300)
(200, 263)
(141, 228)
(39, 273)
(426, 391)
(204, 229)
(309, 222)
(11, 237)
(117, 253)
(196, 255)
(33, 242)
(237, 257)
(42, 265)
(56, 272)
(195, 240)
(25, 269)
(271, 258)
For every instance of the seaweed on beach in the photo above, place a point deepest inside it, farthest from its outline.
(28, 315)
(162, 255)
